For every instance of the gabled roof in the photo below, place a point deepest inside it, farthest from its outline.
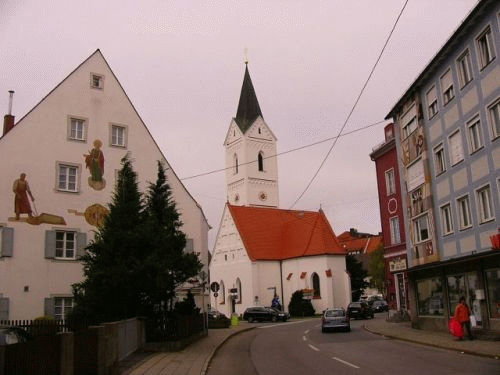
(276, 234)
(248, 107)
(360, 242)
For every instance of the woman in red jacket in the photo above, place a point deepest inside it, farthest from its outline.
(462, 314)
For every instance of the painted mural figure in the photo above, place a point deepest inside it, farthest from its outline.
(21, 190)
(94, 161)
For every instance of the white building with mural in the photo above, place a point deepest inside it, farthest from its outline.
(262, 251)
(58, 169)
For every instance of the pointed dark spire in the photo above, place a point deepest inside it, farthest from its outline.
(248, 108)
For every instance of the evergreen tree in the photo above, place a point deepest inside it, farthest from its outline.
(167, 265)
(358, 275)
(112, 263)
(299, 306)
(377, 269)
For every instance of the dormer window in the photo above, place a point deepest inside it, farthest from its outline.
(96, 81)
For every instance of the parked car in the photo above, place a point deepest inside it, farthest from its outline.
(335, 318)
(259, 313)
(214, 314)
(379, 306)
(359, 310)
(282, 315)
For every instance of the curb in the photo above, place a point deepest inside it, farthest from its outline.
(461, 351)
(209, 359)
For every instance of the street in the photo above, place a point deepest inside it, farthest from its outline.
(299, 347)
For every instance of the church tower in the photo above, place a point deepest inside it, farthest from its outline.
(251, 163)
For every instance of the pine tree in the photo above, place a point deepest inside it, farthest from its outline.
(358, 275)
(113, 261)
(167, 265)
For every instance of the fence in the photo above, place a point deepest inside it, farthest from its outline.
(52, 349)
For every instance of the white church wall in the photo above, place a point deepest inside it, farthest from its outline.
(266, 281)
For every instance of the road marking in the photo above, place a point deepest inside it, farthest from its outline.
(313, 348)
(306, 332)
(304, 338)
(283, 324)
(344, 362)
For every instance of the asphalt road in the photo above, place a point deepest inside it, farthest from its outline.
(299, 347)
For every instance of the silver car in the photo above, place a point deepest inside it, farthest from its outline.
(335, 318)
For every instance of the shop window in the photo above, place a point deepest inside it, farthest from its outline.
(493, 288)
(430, 297)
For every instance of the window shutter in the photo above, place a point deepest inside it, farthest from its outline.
(189, 246)
(7, 245)
(81, 244)
(49, 307)
(50, 244)
(4, 309)
(415, 175)
(446, 80)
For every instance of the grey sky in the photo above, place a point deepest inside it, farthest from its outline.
(181, 64)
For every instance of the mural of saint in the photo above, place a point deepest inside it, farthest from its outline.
(94, 161)
(21, 191)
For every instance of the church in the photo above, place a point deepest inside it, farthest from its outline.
(262, 252)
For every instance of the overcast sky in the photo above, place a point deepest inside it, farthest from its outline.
(181, 63)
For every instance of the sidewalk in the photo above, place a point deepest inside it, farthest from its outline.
(194, 359)
(439, 339)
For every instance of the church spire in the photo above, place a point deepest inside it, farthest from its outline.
(248, 107)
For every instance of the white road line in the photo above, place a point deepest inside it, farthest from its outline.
(306, 332)
(282, 324)
(304, 338)
(344, 362)
(313, 348)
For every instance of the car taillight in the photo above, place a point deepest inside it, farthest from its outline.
(322, 319)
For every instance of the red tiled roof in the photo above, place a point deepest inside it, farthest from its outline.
(364, 245)
(276, 234)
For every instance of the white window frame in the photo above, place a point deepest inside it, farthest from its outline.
(66, 248)
(439, 159)
(456, 153)
(464, 68)
(79, 135)
(485, 208)
(432, 104)
(447, 86)
(464, 212)
(395, 230)
(494, 118)
(475, 134)
(115, 140)
(418, 228)
(485, 47)
(62, 306)
(446, 219)
(390, 181)
(65, 186)
(96, 81)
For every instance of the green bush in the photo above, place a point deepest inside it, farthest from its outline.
(300, 307)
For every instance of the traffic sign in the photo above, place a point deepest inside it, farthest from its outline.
(214, 286)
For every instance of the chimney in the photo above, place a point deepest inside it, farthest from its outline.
(8, 120)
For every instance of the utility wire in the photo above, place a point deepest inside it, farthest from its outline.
(353, 107)
(286, 152)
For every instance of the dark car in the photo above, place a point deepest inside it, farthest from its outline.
(259, 314)
(335, 318)
(379, 306)
(359, 310)
(214, 314)
(282, 315)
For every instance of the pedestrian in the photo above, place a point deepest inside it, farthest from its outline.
(462, 315)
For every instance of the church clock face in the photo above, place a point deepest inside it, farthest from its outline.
(262, 196)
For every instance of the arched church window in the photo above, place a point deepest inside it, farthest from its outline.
(238, 286)
(315, 285)
(235, 159)
(260, 160)
(222, 290)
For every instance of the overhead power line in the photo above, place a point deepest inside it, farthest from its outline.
(353, 107)
(286, 152)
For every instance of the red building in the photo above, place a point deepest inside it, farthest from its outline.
(391, 214)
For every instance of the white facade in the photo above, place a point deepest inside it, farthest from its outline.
(251, 166)
(49, 146)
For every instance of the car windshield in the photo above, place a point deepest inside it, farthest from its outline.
(334, 313)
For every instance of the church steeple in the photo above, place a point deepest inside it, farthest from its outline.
(248, 107)
(251, 164)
